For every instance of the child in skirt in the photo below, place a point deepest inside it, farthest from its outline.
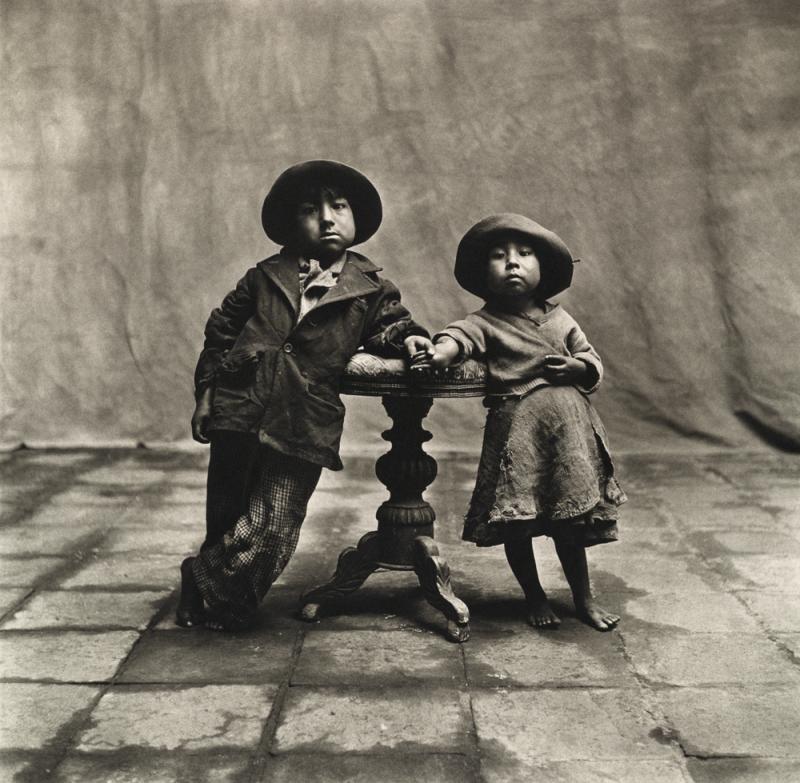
(545, 467)
(267, 383)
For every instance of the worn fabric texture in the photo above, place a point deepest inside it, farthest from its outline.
(514, 346)
(659, 140)
(234, 574)
(278, 376)
(545, 469)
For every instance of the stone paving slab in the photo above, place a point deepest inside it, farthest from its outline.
(153, 767)
(775, 572)
(367, 657)
(744, 721)
(10, 598)
(188, 478)
(511, 770)
(567, 724)
(722, 542)
(26, 571)
(63, 656)
(178, 541)
(73, 608)
(98, 499)
(34, 713)
(145, 519)
(314, 768)
(778, 611)
(126, 571)
(572, 656)
(53, 520)
(743, 770)
(791, 641)
(705, 577)
(179, 495)
(677, 573)
(701, 613)
(697, 659)
(63, 459)
(367, 721)
(209, 657)
(202, 718)
(31, 540)
(123, 474)
(12, 763)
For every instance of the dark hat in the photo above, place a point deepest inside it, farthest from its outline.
(554, 257)
(278, 212)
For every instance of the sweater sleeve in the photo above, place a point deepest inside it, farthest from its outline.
(222, 328)
(580, 348)
(389, 323)
(469, 335)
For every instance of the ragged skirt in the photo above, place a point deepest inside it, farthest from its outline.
(545, 469)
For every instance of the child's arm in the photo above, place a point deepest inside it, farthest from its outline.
(583, 368)
(425, 354)
(389, 323)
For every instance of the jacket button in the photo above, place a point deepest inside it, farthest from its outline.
(287, 347)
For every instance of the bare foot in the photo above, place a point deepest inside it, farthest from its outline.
(220, 621)
(541, 615)
(190, 610)
(597, 617)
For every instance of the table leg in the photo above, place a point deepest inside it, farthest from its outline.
(355, 564)
(434, 576)
(403, 541)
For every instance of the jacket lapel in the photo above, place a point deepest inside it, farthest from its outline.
(283, 271)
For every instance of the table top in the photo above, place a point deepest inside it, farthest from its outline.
(373, 376)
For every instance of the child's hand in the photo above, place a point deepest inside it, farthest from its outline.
(564, 370)
(202, 416)
(420, 350)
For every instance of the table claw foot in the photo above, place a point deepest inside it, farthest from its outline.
(434, 576)
(457, 632)
(354, 566)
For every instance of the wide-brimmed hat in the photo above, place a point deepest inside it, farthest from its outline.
(554, 257)
(278, 213)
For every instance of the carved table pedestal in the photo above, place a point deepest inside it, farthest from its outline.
(404, 538)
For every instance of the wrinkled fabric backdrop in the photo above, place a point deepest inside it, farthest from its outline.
(660, 140)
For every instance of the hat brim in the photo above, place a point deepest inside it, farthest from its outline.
(554, 256)
(278, 213)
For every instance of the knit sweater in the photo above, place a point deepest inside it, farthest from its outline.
(514, 347)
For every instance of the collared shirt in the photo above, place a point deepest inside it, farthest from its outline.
(315, 281)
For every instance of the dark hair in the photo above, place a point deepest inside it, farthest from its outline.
(316, 191)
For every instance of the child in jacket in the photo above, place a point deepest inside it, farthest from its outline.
(267, 380)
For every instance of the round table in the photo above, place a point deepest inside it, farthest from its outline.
(404, 538)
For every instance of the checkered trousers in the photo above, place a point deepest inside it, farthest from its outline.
(234, 574)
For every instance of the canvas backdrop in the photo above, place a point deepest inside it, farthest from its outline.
(660, 140)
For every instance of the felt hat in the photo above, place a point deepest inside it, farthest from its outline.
(554, 257)
(278, 211)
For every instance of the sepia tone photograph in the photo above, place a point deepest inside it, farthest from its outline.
(400, 390)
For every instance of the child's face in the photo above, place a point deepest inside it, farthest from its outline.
(326, 226)
(513, 269)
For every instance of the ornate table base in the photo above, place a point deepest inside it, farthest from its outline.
(403, 540)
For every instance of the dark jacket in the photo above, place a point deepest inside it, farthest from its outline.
(280, 379)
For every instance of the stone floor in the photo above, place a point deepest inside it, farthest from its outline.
(700, 682)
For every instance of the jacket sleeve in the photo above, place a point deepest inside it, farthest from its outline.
(388, 323)
(222, 328)
(580, 348)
